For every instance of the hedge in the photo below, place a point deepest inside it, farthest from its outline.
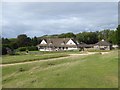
(30, 48)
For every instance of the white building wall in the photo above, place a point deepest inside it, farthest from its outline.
(43, 42)
(70, 42)
(48, 49)
(115, 46)
(96, 47)
(99, 47)
(72, 48)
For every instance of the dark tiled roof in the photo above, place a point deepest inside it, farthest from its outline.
(82, 44)
(103, 43)
(58, 42)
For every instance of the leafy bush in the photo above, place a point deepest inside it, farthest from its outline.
(22, 48)
(32, 48)
(4, 51)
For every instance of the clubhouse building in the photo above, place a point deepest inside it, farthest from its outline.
(57, 44)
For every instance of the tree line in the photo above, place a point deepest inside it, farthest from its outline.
(23, 42)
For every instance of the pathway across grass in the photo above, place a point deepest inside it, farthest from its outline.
(86, 71)
(49, 59)
(25, 58)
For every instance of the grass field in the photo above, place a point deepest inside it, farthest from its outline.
(92, 71)
(49, 52)
(35, 55)
(30, 57)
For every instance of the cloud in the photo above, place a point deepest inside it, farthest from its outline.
(37, 19)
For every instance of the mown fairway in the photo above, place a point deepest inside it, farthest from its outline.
(35, 56)
(29, 57)
(92, 71)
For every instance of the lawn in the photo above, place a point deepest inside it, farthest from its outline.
(30, 57)
(35, 55)
(49, 52)
(92, 71)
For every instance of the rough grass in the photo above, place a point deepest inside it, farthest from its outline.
(35, 55)
(93, 50)
(93, 71)
(49, 52)
(25, 58)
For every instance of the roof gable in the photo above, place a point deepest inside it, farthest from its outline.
(58, 41)
(103, 43)
(43, 42)
(70, 42)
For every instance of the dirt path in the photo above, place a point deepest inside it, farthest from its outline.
(42, 60)
(70, 56)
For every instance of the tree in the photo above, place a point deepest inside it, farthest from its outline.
(23, 40)
(117, 35)
(112, 37)
(87, 37)
(67, 35)
(5, 41)
(13, 45)
(70, 35)
(34, 41)
(4, 50)
(80, 37)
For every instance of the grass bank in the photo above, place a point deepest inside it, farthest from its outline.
(92, 71)
(25, 58)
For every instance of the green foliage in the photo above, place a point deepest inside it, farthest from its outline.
(92, 71)
(30, 57)
(50, 36)
(87, 37)
(13, 45)
(5, 41)
(118, 35)
(23, 40)
(22, 48)
(67, 35)
(29, 48)
(34, 41)
(4, 50)
(32, 48)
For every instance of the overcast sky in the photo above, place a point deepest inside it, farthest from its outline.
(41, 18)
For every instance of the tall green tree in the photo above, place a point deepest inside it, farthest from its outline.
(67, 35)
(87, 37)
(118, 35)
(23, 40)
(5, 41)
(34, 41)
(112, 37)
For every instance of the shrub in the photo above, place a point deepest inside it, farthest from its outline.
(4, 51)
(22, 48)
(5, 48)
(32, 48)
